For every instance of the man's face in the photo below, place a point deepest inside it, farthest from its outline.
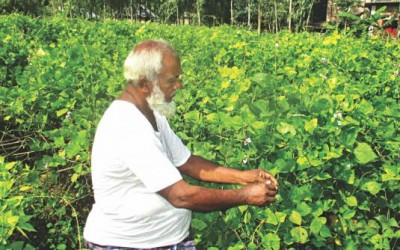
(158, 103)
(168, 80)
(166, 86)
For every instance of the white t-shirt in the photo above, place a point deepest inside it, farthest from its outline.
(130, 163)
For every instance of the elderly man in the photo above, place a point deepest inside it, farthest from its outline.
(141, 199)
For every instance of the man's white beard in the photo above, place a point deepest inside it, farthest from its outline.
(157, 102)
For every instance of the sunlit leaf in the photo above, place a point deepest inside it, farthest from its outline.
(295, 217)
(311, 125)
(299, 234)
(352, 201)
(364, 153)
(372, 186)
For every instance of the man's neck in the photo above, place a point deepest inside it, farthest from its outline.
(135, 96)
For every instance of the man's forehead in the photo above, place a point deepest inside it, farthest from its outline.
(171, 59)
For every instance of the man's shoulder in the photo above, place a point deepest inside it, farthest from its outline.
(122, 115)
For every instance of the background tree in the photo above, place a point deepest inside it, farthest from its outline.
(27, 7)
(267, 15)
(199, 9)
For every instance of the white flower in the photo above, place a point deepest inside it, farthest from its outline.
(68, 115)
(46, 166)
(338, 115)
(324, 60)
(276, 44)
(245, 160)
(339, 123)
(247, 141)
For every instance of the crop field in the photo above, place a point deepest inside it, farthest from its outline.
(319, 111)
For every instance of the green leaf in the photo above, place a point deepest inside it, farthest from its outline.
(12, 220)
(300, 194)
(265, 81)
(61, 112)
(281, 216)
(198, 224)
(74, 177)
(16, 245)
(311, 125)
(284, 128)
(350, 244)
(366, 107)
(271, 217)
(364, 153)
(377, 241)
(295, 217)
(316, 224)
(59, 142)
(392, 174)
(61, 247)
(351, 201)
(348, 137)
(303, 162)
(304, 209)
(258, 107)
(345, 173)
(323, 176)
(322, 105)
(299, 234)
(72, 149)
(393, 222)
(29, 247)
(348, 214)
(258, 125)
(26, 226)
(10, 165)
(271, 240)
(372, 186)
(325, 232)
(192, 116)
(243, 208)
(285, 166)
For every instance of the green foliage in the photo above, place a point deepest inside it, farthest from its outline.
(369, 23)
(321, 112)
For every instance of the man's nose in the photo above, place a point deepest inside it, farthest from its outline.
(178, 85)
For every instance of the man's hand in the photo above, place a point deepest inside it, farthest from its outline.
(260, 194)
(258, 175)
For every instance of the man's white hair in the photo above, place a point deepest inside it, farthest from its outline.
(145, 61)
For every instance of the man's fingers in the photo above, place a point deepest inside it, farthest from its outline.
(270, 199)
(266, 175)
(270, 180)
(271, 192)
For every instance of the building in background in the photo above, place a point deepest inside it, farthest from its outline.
(392, 10)
(327, 11)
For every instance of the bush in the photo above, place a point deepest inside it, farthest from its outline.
(321, 112)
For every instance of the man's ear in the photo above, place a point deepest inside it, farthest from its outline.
(142, 81)
(145, 85)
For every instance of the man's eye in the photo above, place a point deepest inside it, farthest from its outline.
(174, 80)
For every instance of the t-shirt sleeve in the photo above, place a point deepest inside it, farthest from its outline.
(179, 153)
(147, 159)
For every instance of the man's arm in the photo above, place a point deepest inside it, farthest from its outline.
(204, 170)
(201, 199)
